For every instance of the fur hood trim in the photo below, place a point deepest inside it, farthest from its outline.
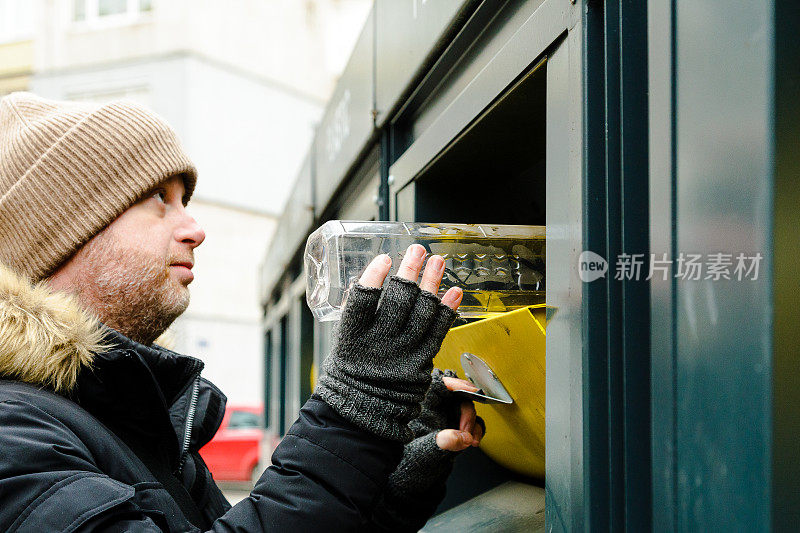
(46, 337)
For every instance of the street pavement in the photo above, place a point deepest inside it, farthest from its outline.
(235, 492)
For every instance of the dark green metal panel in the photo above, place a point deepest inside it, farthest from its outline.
(711, 96)
(283, 371)
(633, 304)
(268, 347)
(723, 204)
(596, 438)
(408, 35)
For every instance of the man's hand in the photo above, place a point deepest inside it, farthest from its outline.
(379, 368)
(469, 433)
(417, 486)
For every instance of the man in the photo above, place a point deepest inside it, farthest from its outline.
(100, 426)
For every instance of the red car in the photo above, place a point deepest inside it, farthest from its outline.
(233, 453)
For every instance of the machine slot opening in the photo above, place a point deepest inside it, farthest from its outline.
(494, 172)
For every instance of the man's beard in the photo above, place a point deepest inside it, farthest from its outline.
(128, 291)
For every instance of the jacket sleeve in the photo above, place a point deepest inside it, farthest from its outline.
(325, 473)
(416, 488)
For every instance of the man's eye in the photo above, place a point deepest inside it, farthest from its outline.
(161, 196)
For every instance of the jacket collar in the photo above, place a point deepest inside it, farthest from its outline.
(47, 339)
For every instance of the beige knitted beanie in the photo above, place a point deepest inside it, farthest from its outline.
(68, 169)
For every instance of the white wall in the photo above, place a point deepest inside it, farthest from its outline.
(159, 84)
(232, 351)
(248, 137)
(17, 20)
(302, 44)
(242, 81)
(226, 269)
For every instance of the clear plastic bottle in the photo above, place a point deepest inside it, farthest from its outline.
(500, 268)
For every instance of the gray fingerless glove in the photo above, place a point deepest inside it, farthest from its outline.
(416, 487)
(441, 408)
(379, 367)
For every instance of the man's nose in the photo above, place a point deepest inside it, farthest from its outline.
(190, 232)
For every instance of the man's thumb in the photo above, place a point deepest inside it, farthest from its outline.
(453, 440)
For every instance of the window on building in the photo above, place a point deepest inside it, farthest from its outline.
(105, 12)
(79, 10)
(111, 7)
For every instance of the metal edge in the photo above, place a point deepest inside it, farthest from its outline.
(564, 378)
(530, 41)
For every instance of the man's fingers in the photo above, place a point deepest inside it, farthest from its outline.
(412, 263)
(452, 440)
(477, 435)
(458, 384)
(452, 298)
(376, 271)
(433, 274)
(468, 414)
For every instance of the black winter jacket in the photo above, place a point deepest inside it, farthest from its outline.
(115, 448)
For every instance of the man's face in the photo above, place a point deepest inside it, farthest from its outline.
(135, 273)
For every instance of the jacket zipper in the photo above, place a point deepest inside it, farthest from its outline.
(187, 434)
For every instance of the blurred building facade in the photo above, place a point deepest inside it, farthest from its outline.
(244, 84)
(16, 45)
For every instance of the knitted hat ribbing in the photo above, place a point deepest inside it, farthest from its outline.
(68, 169)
